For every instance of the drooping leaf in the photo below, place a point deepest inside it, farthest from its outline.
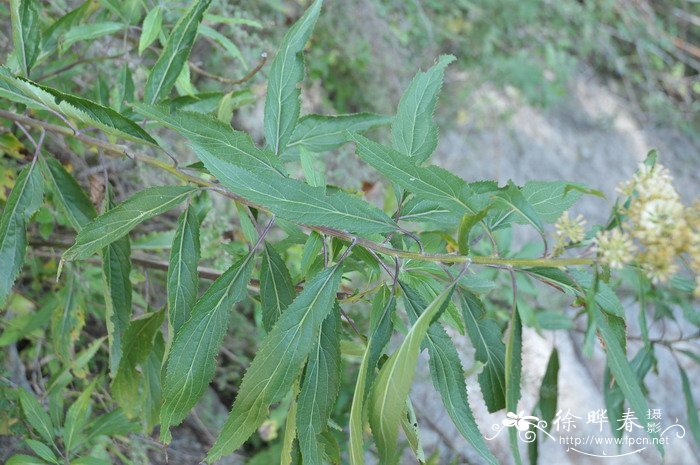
(546, 408)
(23, 201)
(151, 28)
(448, 376)
(191, 361)
(290, 429)
(512, 200)
(319, 390)
(175, 54)
(116, 268)
(73, 107)
(320, 133)
(414, 133)
(137, 344)
(152, 383)
(621, 369)
(282, 103)
(117, 222)
(312, 247)
(36, 416)
(67, 193)
(390, 390)
(489, 350)
(278, 361)
(183, 280)
(26, 33)
(50, 36)
(276, 287)
(383, 307)
(465, 227)
(691, 409)
(514, 365)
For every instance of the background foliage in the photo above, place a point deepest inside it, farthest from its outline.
(151, 255)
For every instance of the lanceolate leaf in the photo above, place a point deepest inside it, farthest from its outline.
(319, 133)
(77, 416)
(85, 111)
(546, 407)
(429, 183)
(282, 104)
(36, 416)
(621, 369)
(26, 33)
(183, 281)
(414, 132)
(259, 177)
(22, 202)
(514, 363)
(116, 268)
(448, 377)
(547, 199)
(191, 361)
(383, 307)
(276, 287)
(489, 350)
(319, 390)
(117, 222)
(391, 387)
(691, 409)
(278, 361)
(151, 28)
(67, 193)
(68, 320)
(138, 344)
(175, 54)
(89, 32)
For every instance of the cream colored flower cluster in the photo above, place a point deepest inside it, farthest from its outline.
(657, 230)
(569, 230)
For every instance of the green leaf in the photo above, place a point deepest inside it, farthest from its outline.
(548, 200)
(290, 428)
(21, 459)
(225, 42)
(60, 26)
(313, 174)
(383, 307)
(23, 201)
(116, 268)
(312, 247)
(465, 227)
(183, 280)
(191, 361)
(320, 133)
(42, 450)
(514, 365)
(319, 390)
(73, 107)
(282, 103)
(276, 287)
(137, 344)
(278, 361)
(76, 418)
(26, 33)
(36, 416)
(511, 199)
(546, 407)
(123, 92)
(620, 367)
(68, 320)
(691, 409)
(89, 32)
(448, 376)
(67, 193)
(414, 132)
(117, 222)
(175, 54)
(151, 28)
(113, 423)
(258, 176)
(428, 183)
(489, 350)
(388, 397)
